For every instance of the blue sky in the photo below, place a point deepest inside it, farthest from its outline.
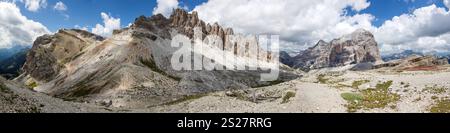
(386, 9)
(396, 24)
(87, 12)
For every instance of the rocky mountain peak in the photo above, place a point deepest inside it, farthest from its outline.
(133, 67)
(358, 47)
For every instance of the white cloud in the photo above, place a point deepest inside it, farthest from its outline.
(447, 3)
(35, 5)
(165, 7)
(298, 23)
(60, 6)
(81, 28)
(294, 20)
(110, 24)
(426, 29)
(17, 29)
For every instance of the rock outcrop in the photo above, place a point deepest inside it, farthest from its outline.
(50, 52)
(133, 67)
(286, 59)
(413, 62)
(357, 47)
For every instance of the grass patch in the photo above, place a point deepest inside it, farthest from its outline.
(32, 85)
(435, 89)
(288, 96)
(441, 106)
(378, 97)
(358, 83)
(186, 98)
(352, 96)
(155, 68)
(354, 100)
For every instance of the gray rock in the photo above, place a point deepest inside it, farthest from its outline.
(357, 47)
(133, 66)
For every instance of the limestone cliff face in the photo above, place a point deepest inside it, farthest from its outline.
(50, 52)
(357, 47)
(133, 67)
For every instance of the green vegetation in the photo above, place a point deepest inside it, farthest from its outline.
(32, 85)
(155, 68)
(186, 98)
(358, 83)
(378, 97)
(435, 89)
(352, 97)
(441, 106)
(288, 96)
(329, 79)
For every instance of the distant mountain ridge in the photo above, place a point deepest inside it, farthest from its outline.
(11, 67)
(401, 55)
(8, 52)
(357, 47)
(408, 53)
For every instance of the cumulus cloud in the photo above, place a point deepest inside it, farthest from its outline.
(110, 24)
(165, 7)
(294, 20)
(426, 29)
(35, 5)
(60, 6)
(17, 29)
(301, 23)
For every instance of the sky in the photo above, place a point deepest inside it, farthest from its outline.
(421, 25)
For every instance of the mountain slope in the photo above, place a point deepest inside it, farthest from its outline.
(16, 98)
(401, 55)
(8, 52)
(133, 67)
(357, 47)
(10, 67)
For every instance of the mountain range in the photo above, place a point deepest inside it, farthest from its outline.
(357, 47)
(10, 67)
(133, 68)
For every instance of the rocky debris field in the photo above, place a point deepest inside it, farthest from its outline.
(319, 91)
(331, 90)
(15, 98)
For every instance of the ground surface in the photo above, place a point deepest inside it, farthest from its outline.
(320, 91)
(323, 91)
